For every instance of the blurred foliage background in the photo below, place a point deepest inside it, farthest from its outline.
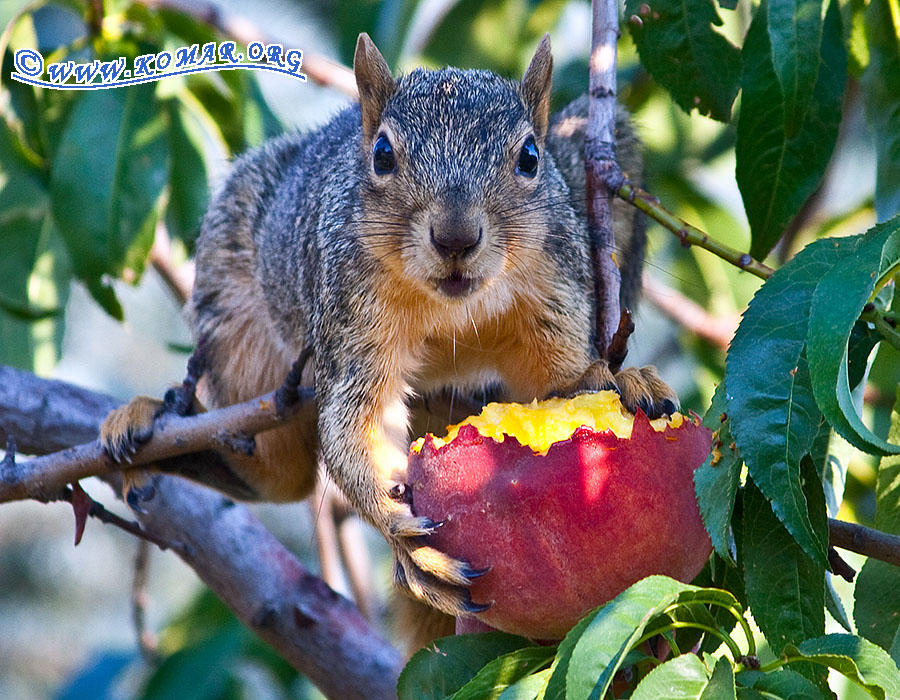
(89, 180)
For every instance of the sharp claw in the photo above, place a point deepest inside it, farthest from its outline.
(432, 525)
(133, 499)
(138, 494)
(470, 606)
(668, 406)
(400, 574)
(472, 574)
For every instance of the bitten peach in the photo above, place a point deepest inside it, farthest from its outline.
(568, 501)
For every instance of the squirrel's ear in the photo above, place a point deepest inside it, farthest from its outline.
(536, 86)
(374, 82)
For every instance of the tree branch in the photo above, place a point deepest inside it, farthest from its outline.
(319, 69)
(718, 330)
(688, 234)
(319, 632)
(603, 176)
(864, 540)
(229, 428)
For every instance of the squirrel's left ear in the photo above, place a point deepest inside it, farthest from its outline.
(374, 82)
(536, 86)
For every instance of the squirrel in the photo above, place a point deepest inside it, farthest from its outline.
(432, 236)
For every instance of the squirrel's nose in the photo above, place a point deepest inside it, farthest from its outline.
(455, 241)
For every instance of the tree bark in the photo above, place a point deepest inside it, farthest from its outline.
(316, 630)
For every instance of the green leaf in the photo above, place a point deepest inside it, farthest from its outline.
(24, 205)
(204, 667)
(862, 341)
(260, 122)
(858, 659)
(795, 36)
(721, 683)
(602, 644)
(559, 669)
(722, 574)
(786, 685)
(446, 665)
(773, 414)
(682, 678)
(492, 680)
(188, 188)
(837, 302)
(527, 688)
(716, 481)
(749, 694)
(876, 607)
(678, 46)
(795, 67)
(785, 588)
(834, 606)
(881, 89)
(107, 176)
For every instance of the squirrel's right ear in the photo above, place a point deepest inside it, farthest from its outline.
(536, 85)
(374, 82)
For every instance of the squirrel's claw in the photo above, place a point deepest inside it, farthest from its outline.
(427, 573)
(471, 574)
(127, 427)
(639, 387)
(472, 607)
(449, 595)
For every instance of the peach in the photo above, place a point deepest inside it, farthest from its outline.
(568, 502)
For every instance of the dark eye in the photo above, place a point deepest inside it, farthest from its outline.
(383, 156)
(528, 158)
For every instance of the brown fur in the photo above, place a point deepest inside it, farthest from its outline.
(306, 244)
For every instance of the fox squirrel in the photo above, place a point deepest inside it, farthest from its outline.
(431, 236)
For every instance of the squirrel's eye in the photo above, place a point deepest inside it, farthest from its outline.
(528, 158)
(383, 156)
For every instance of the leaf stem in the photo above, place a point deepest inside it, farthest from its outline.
(885, 323)
(674, 625)
(691, 235)
(748, 633)
(670, 638)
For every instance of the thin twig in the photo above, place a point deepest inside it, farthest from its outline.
(226, 428)
(99, 512)
(717, 330)
(319, 69)
(688, 234)
(355, 556)
(146, 640)
(321, 507)
(602, 174)
(178, 278)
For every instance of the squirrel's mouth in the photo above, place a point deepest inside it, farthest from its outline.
(456, 284)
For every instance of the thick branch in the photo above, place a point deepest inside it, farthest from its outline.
(864, 540)
(602, 174)
(316, 630)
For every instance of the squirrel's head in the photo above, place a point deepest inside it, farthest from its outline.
(453, 190)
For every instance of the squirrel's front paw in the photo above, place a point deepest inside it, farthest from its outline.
(126, 427)
(639, 387)
(428, 574)
(121, 433)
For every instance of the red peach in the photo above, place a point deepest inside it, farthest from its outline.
(565, 531)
